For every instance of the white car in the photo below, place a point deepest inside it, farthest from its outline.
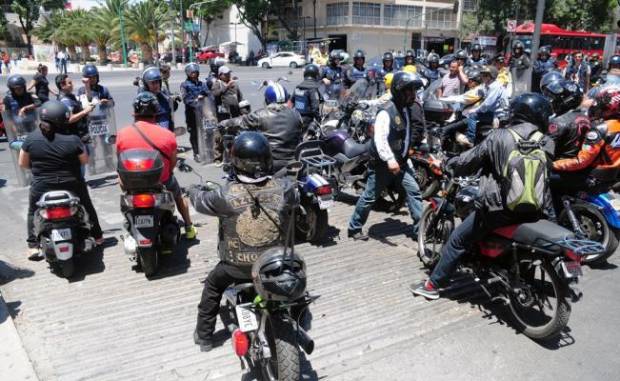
(286, 59)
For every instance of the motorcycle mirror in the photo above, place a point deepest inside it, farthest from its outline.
(180, 131)
(111, 139)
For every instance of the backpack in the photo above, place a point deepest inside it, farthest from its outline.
(525, 175)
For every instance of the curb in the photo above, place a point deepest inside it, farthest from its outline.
(14, 361)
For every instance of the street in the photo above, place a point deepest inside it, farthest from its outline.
(110, 323)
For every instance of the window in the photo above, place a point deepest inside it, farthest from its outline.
(469, 5)
(366, 13)
(337, 13)
(397, 15)
(440, 19)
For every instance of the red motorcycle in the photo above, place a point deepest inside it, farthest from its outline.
(531, 267)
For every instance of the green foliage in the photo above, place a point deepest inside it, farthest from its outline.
(28, 12)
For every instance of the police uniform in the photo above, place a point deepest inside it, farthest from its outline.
(335, 76)
(381, 78)
(354, 74)
(306, 100)
(245, 231)
(540, 68)
(431, 74)
(190, 90)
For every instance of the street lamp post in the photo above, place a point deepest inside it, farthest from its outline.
(123, 43)
(191, 40)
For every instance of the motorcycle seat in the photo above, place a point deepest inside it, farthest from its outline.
(352, 149)
(535, 233)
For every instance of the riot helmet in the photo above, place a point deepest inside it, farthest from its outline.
(388, 57)
(518, 46)
(251, 157)
(433, 60)
(192, 67)
(461, 55)
(544, 53)
(550, 77)
(409, 58)
(311, 72)
(531, 108)
(16, 81)
(404, 88)
(55, 113)
(334, 58)
(151, 74)
(90, 71)
(145, 105)
(359, 58)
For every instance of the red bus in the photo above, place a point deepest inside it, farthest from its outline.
(561, 41)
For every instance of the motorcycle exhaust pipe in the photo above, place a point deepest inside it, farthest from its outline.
(304, 340)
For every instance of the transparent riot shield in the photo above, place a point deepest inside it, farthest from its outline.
(519, 81)
(206, 120)
(17, 128)
(101, 148)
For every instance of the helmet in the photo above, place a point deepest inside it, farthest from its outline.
(433, 58)
(16, 80)
(311, 71)
(387, 56)
(251, 157)
(531, 108)
(461, 55)
(606, 104)
(279, 276)
(490, 69)
(216, 63)
(145, 105)
(191, 68)
(275, 93)
(499, 58)
(152, 74)
(89, 71)
(550, 77)
(388, 80)
(614, 62)
(359, 54)
(518, 45)
(564, 95)
(164, 66)
(402, 82)
(55, 113)
(333, 56)
(409, 56)
(476, 48)
(544, 50)
(474, 75)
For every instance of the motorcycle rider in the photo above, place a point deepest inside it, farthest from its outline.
(152, 80)
(476, 56)
(332, 76)
(358, 70)
(193, 90)
(306, 97)
(55, 160)
(279, 123)
(543, 64)
(145, 133)
(388, 67)
(399, 127)
(530, 114)
(253, 210)
(431, 73)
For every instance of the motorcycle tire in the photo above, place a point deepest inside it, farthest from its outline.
(559, 320)
(594, 224)
(430, 256)
(285, 360)
(311, 225)
(66, 268)
(149, 261)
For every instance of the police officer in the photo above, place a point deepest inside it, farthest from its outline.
(358, 70)
(476, 56)
(306, 97)
(193, 90)
(519, 63)
(409, 65)
(18, 101)
(91, 88)
(253, 210)
(543, 64)
(55, 161)
(461, 57)
(332, 76)
(431, 73)
(281, 125)
(399, 127)
(152, 80)
(388, 67)
(77, 121)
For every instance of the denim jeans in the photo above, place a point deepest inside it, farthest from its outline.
(473, 228)
(472, 123)
(379, 177)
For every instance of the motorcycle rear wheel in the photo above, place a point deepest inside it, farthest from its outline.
(285, 353)
(311, 226)
(66, 268)
(528, 304)
(149, 260)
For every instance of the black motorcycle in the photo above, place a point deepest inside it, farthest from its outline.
(62, 228)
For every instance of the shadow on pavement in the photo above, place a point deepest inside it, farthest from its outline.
(10, 272)
(92, 263)
(177, 263)
(14, 309)
(603, 266)
(2, 183)
(103, 182)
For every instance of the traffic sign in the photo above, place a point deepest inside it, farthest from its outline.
(511, 26)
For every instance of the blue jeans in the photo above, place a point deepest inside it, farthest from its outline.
(472, 123)
(379, 177)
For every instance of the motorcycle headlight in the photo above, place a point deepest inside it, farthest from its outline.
(357, 116)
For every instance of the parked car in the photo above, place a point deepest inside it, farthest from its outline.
(280, 59)
(204, 56)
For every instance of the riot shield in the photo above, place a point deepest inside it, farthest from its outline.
(519, 81)
(101, 148)
(206, 121)
(17, 128)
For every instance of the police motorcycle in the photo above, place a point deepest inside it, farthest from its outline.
(17, 127)
(152, 228)
(532, 267)
(63, 230)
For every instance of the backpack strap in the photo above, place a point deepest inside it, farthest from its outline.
(150, 142)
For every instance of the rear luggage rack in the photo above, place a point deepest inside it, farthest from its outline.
(582, 247)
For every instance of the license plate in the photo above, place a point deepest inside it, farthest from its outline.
(144, 222)
(98, 129)
(61, 235)
(326, 204)
(572, 269)
(246, 318)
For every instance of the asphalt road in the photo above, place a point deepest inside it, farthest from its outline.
(110, 323)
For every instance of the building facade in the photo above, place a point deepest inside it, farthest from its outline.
(376, 26)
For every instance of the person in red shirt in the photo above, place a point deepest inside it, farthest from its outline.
(146, 108)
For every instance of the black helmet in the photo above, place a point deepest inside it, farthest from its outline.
(518, 45)
(311, 72)
(145, 105)
(402, 82)
(90, 71)
(614, 62)
(409, 57)
(151, 74)
(333, 56)
(433, 58)
(192, 68)
(544, 50)
(251, 157)
(476, 48)
(16, 80)
(461, 55)
(55, 113)
(489, 69)
(359, 54)
(531, 108)
(550, 77)
(279, 276)
(387, 56)
(564, 95)
(473, 74)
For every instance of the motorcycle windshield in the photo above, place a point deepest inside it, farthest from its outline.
(361, 89)
(431, 91)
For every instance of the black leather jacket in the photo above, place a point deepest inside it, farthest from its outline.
(281, 125)
(568, 132)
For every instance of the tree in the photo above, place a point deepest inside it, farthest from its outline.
(255, 15)
(28, 12)
(142, 23)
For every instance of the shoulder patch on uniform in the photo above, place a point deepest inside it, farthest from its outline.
(397, 119)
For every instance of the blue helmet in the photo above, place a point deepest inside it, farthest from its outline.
(89, 71)
(549, 78)
(151, 74)
(275, 93)
(192, 68)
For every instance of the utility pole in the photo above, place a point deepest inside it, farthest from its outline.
(314, 15)
(123, 43)
(540, 10)
(182, 32)
(172, 28)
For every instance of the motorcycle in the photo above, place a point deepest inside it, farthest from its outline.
(151, 226)
(527, 266)
(62, 227)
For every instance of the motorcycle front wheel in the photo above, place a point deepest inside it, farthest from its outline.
(595, 227)
(433, 233)
(284, 364)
